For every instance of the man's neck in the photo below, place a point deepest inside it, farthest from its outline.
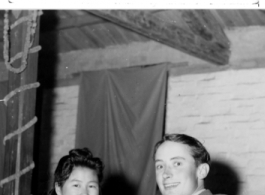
(199, 189)
(197, 192)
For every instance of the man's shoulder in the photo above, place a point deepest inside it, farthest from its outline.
(208, 192)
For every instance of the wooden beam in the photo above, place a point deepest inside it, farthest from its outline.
(51, 21)
(3, 72)
(3, 92)
(1, 53)
(20, 109)
(204, 39)
(79, 21)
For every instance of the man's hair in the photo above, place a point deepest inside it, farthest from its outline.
(198, 151)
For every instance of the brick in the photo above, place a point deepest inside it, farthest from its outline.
(63, 124)
(225, 110)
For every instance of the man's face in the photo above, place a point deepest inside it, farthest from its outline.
(176, 172)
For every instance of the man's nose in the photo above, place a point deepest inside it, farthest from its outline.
(167, 172)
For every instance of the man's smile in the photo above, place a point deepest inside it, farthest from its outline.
(169, 186)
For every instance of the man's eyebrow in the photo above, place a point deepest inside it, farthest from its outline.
(173, 158)
(178, 158)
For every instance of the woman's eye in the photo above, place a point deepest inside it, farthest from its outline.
(93, 186)
(76, 185)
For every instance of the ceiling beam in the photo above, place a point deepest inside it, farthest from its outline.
(51, 21)
(204, 37)
(79, 21)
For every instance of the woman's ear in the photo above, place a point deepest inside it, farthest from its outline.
(58, 189)
(203, 170)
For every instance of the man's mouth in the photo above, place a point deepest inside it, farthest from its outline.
(170, 186)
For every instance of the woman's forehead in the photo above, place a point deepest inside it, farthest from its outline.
(83, 174)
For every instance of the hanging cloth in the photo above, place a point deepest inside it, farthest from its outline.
(120, 118)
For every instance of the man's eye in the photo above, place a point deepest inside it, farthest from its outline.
(177, 163)
(76, 185)
(159, 167)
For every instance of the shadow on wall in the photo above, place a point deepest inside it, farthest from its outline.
(222, 179)
(118, 185)
(44, 102)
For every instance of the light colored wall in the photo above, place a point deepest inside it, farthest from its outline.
(57, 131)
(64, 121)
(226, 111)
(221, 105)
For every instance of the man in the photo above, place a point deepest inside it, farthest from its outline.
(181, 164)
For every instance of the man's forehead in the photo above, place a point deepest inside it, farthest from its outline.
(170, 149)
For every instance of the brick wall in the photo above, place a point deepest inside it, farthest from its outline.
(226, 111)
(57, 136)
(222, 106)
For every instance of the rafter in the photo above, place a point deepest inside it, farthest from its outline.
(204, 38)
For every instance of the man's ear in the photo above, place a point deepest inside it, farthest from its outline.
(203, 170)
(58, 189)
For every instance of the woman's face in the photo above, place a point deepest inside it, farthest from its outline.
(82, 181)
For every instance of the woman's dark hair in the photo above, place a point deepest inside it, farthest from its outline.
(76, 158)
(199, 152)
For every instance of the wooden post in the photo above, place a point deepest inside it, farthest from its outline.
(20, 108)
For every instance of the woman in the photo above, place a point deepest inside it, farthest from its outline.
(78, 173)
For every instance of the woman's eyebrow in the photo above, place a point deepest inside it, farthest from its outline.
(96, 182)
(75, 180)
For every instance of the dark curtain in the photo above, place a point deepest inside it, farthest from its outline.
(3, 93)
(120, 118)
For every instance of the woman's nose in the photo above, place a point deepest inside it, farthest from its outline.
(85, 191)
